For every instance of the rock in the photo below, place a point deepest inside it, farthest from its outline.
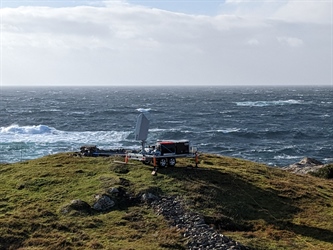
(148, 197)
(197, 233)
(121, 197)
(76, 207)
(103, 203)
(113, 191)
(310, 161)
(305, 166)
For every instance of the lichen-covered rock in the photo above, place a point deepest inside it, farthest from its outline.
(103, 203)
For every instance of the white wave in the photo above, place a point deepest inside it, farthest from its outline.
(143, 110)
(164, 130)
(224, 131)
(328, 160)
(18, 147)
(289, 157)
(77, 113)
(26, 130)
(269, 103)
(45, 134)
(228, 130)
(174, 122)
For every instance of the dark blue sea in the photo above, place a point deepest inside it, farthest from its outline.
(277, 126)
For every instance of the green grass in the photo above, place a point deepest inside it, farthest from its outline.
(259, 206)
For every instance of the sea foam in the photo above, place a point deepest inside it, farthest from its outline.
(46, 134)
(269, 103)
(35, 129)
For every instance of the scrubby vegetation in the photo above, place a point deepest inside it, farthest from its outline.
(259, 206)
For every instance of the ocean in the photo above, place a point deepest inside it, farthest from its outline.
(277, 126)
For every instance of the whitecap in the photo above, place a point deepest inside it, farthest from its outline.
(77, 113)
(289, 157)
(228, 130)
(269, 103)
(164, 130)
(224, 131)
(175, 122)
(143, 110)
(43, 134)
(26, 130)
(328, 160)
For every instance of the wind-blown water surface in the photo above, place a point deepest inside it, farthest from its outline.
(274, 125)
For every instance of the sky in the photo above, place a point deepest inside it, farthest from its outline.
(166, 42)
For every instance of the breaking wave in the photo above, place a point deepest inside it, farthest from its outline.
(28, 142)
(143, 110)
(269, 103)
(35, 129)
(46, 134)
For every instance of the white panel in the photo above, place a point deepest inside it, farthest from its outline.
(141, 129)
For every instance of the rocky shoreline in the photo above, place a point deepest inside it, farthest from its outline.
(305, 166)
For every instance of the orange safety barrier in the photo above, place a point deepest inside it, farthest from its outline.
(154, 161)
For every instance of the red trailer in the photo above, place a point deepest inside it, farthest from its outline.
(165, 152)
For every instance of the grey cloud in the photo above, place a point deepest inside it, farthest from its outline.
(126, 44)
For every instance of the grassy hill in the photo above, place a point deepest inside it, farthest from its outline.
(259, 206)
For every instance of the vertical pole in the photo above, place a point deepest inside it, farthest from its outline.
(155, 167)
(154, 161)
(196, 159)
(126, 158)
(143, 143)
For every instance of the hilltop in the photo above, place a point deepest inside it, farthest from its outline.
(259, 206)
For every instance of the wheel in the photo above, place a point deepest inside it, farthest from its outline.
(147, 161)
(162, 162)
(172, 162)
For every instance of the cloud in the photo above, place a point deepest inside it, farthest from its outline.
(305, 11)
(287, 10)
(121, 43)
(253, 42)
(291, 41)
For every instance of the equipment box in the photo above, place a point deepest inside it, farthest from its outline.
(173, 147)
(182, 147)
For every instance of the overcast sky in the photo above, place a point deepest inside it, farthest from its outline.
(175, 42)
